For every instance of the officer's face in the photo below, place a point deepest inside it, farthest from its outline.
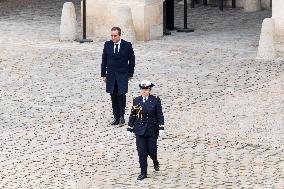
(114, 36)
(145, 92)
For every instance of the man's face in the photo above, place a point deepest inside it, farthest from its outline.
(145, 92)
(114, 36)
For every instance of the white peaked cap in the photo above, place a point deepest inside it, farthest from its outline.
(146, 83)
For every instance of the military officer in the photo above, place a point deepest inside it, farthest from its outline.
(145, 121)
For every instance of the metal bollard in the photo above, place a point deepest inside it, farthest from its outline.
(170, 18)
(221, 4)
(165, 30)
(84, 26)
(185, 29)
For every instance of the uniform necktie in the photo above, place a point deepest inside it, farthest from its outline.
(116, 48)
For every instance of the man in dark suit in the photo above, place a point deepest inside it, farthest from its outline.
(145, 121)
(118, 62)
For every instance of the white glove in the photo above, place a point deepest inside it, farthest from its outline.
(129, 134)
(161, 133)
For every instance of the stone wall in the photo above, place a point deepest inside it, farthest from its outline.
(147, 18)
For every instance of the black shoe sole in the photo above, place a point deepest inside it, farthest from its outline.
(141, 178)
(117, 123)
(157, 167)
(122, 122)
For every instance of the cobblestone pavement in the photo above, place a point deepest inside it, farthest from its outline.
(223, 108)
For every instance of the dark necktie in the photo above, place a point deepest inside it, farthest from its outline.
(116, 48)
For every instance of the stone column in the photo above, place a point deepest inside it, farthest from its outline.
(278, 17)
(123, 19)
(147, 16)
(271, 44)
(68, 22)
(148, 19)
(266, 48)
(252, 5)
(278, 9)
(265, 4)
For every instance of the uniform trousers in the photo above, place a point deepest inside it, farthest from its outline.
(146, 145)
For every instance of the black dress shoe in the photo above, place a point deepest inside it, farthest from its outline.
(115, 122)
(122, 120)
(141, 177)
(156, 166)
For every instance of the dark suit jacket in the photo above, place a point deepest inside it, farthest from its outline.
(118, 66)
(146, 117)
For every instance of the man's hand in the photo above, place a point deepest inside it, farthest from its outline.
(129, 78)
(104, 79)
(161, 132)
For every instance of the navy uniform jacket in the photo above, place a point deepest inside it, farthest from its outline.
(146, 117)
(119, 66)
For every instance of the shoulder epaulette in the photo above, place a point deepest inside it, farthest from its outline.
(135, 98)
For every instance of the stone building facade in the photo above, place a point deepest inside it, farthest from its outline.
(143, 17)
(141, 20)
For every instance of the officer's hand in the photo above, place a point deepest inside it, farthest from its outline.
(129, 132)
(104, 79)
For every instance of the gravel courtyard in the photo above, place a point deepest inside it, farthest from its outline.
(223, 108)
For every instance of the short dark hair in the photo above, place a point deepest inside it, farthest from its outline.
(116, 28)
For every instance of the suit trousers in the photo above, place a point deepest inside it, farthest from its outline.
(146, 145)
(118, 102)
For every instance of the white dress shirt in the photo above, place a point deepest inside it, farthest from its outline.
(145, 98)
